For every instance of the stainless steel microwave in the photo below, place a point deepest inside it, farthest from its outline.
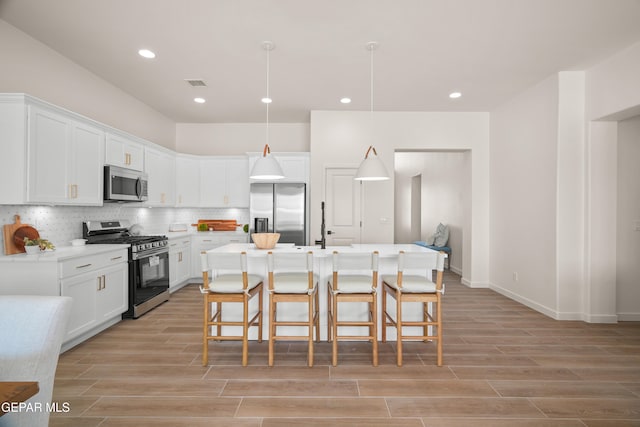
(124, 185)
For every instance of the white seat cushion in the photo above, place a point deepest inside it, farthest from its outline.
(293, 283)
(411, 284)
(353, 284)
(232, 283)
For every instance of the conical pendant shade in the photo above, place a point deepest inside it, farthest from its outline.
(372, 168)
(266, 167)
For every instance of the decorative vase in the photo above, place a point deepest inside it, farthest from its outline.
(31, 250)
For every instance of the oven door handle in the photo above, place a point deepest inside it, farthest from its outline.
(150, 253)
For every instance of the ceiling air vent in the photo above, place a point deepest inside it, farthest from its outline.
(195, 82)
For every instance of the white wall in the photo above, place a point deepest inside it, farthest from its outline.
(29, 66)
(343, 137)
(628, 221)
(613, 86)
(612, 93)
(446, 188)
(523, 196)
(240, 138)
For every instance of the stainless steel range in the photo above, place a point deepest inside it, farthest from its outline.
(148, 263)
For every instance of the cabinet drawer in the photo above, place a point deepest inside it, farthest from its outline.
(84, 264)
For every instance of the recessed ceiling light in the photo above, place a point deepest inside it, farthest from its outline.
(266, 100)
(454, 95)
(146, 53)
(345, 100)
(199, 100)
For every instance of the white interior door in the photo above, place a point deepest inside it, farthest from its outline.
(343, 200)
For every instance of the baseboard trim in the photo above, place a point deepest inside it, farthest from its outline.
(526, 301)
(629, 317)
(471, 284)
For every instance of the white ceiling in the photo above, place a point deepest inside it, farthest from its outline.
(487, 49)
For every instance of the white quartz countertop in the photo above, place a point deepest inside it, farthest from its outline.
(179, 234)
(384, 249)
(63, 252)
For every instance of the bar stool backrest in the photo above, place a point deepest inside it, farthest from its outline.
(355, 263)
(220, 263)
(297, 262)
(290, 262)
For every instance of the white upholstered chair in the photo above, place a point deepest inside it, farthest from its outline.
(228, 283)
(413, 283)
(354, 280)
(291, 279)
(32, 329)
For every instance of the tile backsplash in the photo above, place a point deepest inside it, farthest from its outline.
(61, 224)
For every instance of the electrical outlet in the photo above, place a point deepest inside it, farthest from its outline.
(515, 276)
(636, 225)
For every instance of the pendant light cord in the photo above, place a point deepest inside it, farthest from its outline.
(268, 50)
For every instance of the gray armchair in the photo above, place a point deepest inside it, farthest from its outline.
(31, 332)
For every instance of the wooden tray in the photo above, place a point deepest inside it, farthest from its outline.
(14, 235)
(218, 224)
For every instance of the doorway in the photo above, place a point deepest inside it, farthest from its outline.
(433, 187)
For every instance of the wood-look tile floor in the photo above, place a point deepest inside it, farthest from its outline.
(505, 365)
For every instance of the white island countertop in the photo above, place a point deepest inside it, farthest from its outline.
(384, 249)
(62, 253)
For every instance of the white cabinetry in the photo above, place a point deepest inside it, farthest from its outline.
(224, 182)
(64, 159)
(161, 168)
(122, 151)
(98, 285)
(49, 155)
(187, 181)
(97, 282)
(179, 262)
(294, 165)
(206, 240)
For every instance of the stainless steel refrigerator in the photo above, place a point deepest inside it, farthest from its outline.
(279, 208)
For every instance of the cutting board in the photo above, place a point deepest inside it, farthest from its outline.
(219, 224)
(14, 235)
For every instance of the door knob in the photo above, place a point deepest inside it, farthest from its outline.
(329, 232)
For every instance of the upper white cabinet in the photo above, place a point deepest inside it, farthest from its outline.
(224, 182)
(161, 168)
(187, 181)
(294, 165)
(65, 159)
(123, 152)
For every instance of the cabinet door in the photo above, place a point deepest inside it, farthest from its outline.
(87, 158)
(184, 265)
(83, 289)
(161, 168)
(179, 262)
(112, 295)
(187, 182)
(237, 183)
(48, 148)
(124, 153)
(212, 183)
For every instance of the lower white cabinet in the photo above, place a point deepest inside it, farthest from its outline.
(179, 262)
(97, 278)
(98, 296)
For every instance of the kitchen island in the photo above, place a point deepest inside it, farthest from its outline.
(388, 259)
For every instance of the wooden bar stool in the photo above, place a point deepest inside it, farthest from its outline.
(230, 283)
(354, 279)
(291, 279)
(413, 283)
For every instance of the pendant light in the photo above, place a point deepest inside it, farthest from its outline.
(267, 167)
(371, 168)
